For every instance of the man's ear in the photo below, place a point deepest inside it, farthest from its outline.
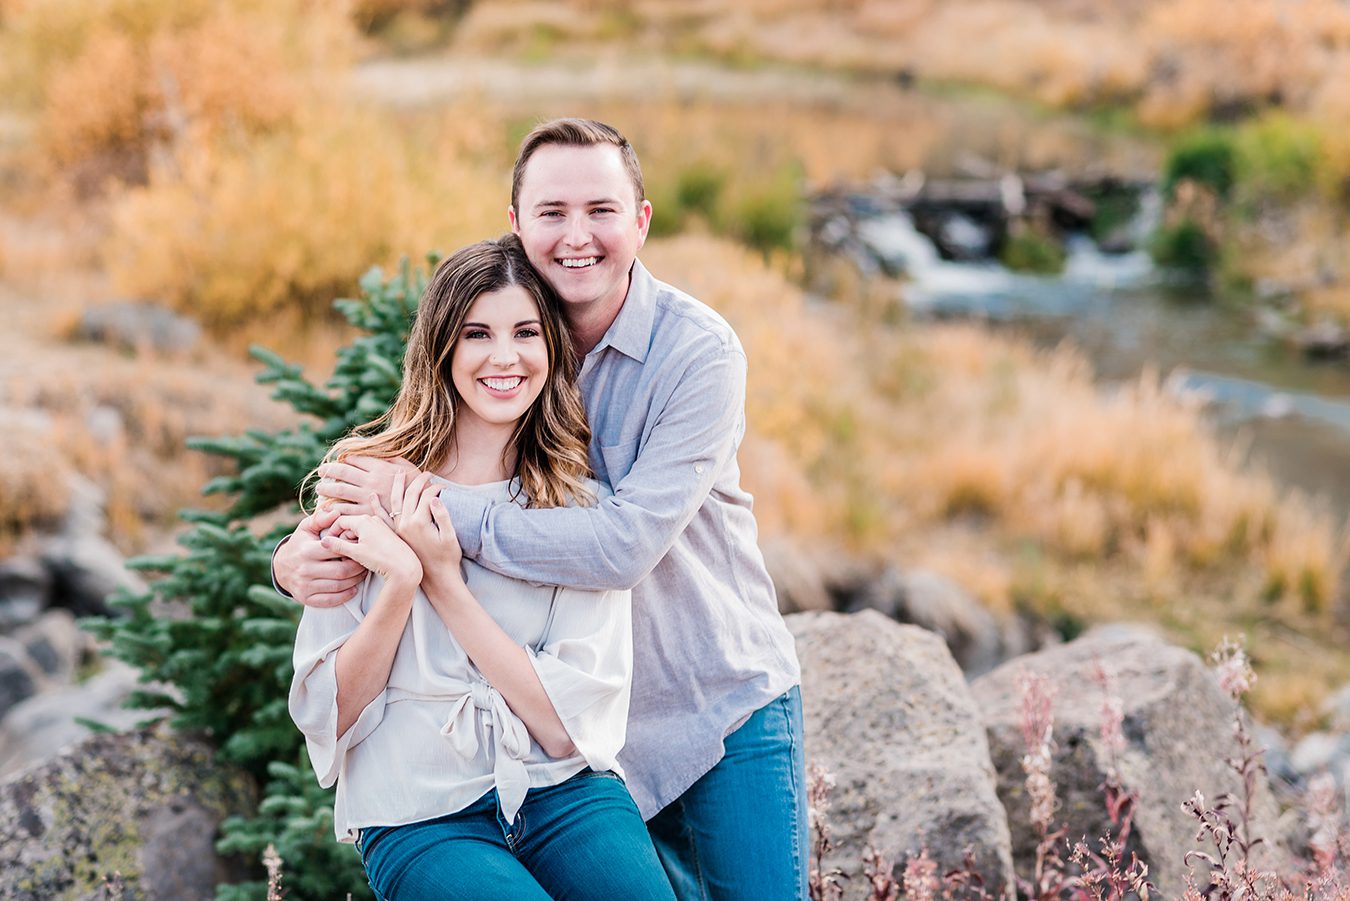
(511, 217)
(644, 222)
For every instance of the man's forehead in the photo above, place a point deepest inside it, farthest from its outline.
(594, 172)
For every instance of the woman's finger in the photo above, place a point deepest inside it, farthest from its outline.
(441, 517)
(396, 496)
(412, 498)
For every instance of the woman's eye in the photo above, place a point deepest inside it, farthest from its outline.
(528, 333)
(475, 333)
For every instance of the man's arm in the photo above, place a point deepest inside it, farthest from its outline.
(615, 544)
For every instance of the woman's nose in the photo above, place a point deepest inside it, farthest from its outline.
(503, 353)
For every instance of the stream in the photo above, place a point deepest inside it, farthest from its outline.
(1125, 315)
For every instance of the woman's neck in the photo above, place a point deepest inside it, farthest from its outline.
(481, 453)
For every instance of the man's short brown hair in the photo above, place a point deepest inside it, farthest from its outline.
(575, 133)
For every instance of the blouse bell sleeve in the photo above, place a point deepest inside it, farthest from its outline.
(586, 666)
(313, 696)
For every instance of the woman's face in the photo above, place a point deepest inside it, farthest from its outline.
(500, 361)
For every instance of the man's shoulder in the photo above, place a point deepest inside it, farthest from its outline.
(683, 319)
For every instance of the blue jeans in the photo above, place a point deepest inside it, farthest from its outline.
(581, 839)
(739, 833)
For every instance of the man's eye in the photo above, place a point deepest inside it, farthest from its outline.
(602, 209)
(551, 214)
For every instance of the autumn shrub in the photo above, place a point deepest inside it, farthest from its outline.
(1278, 157)
(114, 83)
(235, 230)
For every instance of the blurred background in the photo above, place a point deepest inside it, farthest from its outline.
(1050, 298)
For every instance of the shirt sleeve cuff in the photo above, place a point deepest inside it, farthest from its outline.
(468, 511)
(273, 571)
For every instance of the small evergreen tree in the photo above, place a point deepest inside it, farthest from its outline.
(218, 639)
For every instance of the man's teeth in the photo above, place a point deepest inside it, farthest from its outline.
(503, 384)
(581, 263)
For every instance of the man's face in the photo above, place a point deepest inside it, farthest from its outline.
(580, 223)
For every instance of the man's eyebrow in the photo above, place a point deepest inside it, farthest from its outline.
(550, 204)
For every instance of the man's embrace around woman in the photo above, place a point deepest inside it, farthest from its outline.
(713, 753)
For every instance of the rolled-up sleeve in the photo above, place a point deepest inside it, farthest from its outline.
(313, 697)
(585, 666)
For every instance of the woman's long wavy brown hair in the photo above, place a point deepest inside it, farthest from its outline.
(550, 440)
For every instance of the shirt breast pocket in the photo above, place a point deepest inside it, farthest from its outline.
(617, 460)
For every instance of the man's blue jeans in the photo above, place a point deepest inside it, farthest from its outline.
(739, 833)
(582, 839)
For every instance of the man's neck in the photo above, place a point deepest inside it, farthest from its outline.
(589, 323)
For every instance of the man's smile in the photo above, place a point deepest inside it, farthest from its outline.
(578, 262)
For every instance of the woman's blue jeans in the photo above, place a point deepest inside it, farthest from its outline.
(739, 833)
(581, 839)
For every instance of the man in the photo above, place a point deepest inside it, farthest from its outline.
(714, 753)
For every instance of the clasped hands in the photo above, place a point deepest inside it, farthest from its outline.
(385, 516)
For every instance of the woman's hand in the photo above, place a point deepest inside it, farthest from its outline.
(370, 540)
(346, 486)
(424, 523)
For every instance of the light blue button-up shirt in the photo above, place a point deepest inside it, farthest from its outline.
(665, 393)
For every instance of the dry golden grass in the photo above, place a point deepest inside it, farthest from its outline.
(895, 430)
(116, 83)
(231, 231)
(1174, 60)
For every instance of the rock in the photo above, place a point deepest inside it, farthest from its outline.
(889, 714)
(933, 602)
(19, 677)
(1323, 341)
(55, 644)
(46, 723)
(139, 326)
(147, 805)
(1178, 731)
(86, 571)
(25, 590)
(797, 580)
(1315, 752)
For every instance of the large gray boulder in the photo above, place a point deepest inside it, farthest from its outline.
(1177, 728)
(889, 715)
(143, 804)
(49, 722)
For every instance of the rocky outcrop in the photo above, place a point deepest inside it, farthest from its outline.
(1177, 727)
(889, 715)
(139, 326)
(144, 805)
(977, 638)
(51, 721)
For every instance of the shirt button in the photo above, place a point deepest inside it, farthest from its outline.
(699, 469)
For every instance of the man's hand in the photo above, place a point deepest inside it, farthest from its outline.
(347, 486)
(314, 575)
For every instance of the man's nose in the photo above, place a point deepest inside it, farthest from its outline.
(578, 231)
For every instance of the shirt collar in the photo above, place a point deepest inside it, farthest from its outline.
(631, 331)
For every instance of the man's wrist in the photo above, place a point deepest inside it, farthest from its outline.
(276, 585)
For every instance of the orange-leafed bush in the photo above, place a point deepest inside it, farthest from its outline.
(233, 230)
(114, 84)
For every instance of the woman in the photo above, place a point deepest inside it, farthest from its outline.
(471, 721)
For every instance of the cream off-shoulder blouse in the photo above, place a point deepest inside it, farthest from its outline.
(438, 737)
